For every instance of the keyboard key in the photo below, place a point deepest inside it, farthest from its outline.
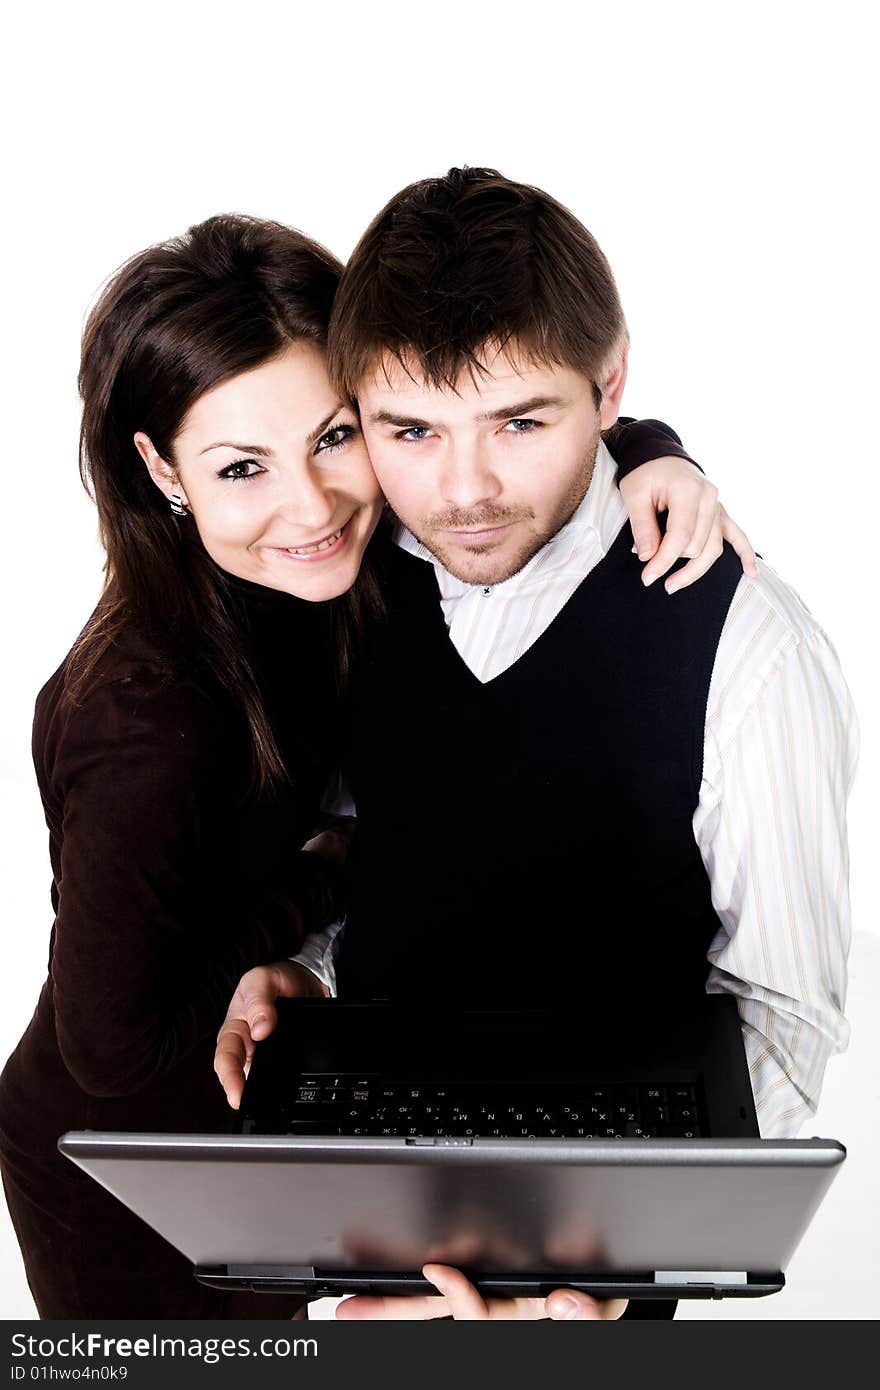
(654, 1114)
(328, 1104)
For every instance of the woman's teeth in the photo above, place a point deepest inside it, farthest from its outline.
(313, 549)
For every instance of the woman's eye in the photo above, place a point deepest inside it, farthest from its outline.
(335, 438)
(524, 426)
(240, 469)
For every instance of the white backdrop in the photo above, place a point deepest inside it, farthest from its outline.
(721, 157)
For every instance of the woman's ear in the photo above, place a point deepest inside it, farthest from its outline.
(160, 471)
(612, 386)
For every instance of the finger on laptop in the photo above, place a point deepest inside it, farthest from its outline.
(466, 1304)
(461, 1301)
(252, 1016)
(565, 1304)
(232, 1054)
(254, 1000)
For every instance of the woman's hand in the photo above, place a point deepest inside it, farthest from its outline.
(697, 524)
(459, 1299)
(252, 1016)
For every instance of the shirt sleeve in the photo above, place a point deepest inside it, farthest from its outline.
(147, 946)
(319, 949)
(634, 442)
(771, 828)
(319, 952)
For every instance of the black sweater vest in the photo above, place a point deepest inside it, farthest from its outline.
(532, 837)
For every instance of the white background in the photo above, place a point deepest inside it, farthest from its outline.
(725, 158)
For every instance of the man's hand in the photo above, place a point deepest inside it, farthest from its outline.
(252, 1016)
(459, 1299)
(697, 524)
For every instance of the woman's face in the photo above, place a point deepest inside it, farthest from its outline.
(275, 472)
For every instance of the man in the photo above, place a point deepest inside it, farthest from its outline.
(570, 785)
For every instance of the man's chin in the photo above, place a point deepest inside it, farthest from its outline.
(480, 567)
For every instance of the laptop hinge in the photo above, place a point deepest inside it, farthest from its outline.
(271, 1271)
(700, 1276)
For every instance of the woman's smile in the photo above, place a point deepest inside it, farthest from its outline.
(325, 549)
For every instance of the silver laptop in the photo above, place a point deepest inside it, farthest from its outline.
(370, 1151)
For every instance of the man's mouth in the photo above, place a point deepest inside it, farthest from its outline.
(480, 535)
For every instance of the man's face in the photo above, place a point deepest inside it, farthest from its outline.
(484, 476)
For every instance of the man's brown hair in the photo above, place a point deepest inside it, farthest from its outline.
(455, 263)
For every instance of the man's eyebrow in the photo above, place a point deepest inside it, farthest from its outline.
(505, 412)
(385, 417)
(513, 412)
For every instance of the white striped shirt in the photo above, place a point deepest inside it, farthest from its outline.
(781, 744)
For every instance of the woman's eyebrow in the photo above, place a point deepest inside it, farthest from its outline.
(261, 451)
(257, 449)
(319, 429)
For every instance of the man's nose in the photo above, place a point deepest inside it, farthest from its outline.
(468, 476)
(308, 501)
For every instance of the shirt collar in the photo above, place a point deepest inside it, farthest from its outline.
(595, 523)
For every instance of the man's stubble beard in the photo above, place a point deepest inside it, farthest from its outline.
(567, 507)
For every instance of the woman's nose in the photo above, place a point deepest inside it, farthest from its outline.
(308, 502)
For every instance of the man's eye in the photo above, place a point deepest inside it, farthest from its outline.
(414, 434)
(334, 439)
(240, 469)
(524, 426)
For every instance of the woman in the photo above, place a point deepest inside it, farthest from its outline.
(183, 746)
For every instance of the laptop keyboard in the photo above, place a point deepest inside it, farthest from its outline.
(350, 1105)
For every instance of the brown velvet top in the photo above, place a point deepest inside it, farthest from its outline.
(170, 877)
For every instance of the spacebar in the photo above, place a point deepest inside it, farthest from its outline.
(311, 1127)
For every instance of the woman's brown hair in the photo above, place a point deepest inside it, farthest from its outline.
(173, 322)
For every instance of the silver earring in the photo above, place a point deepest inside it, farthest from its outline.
(177, 503)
